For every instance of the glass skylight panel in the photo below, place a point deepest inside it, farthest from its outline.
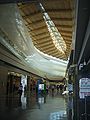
(53, 28)
(56, 36)
(55, 33)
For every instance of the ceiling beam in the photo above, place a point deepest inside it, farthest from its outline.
(66, 35)
(43, 41)
(44, 33)
(86, 39)
(45, 44)
(51, 49)
(36, 28)
(41, 37)
(46, 37)
(61, 19)
(54, 20)
(39, 28)
(67, 38)
(38, 31)
(40, 34)
(64, 26)
(37, 25)
(35, 14)
(55, 53)
(16, 1)
(48, 47)
(36, 22)
(67, 41)
(49, 11)
(65, 31)
(58, 10)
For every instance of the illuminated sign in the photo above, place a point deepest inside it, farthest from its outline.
(84, 85)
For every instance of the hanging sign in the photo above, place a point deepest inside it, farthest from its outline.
(84, 85)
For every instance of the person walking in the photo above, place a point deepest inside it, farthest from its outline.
(20, 89)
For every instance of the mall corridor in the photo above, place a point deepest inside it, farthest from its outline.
(33, 107)
(45, 60)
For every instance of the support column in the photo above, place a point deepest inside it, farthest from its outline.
(76, 94)
(28, 83)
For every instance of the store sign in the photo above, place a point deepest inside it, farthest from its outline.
(84, 85)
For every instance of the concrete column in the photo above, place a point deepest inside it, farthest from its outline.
(76, 94)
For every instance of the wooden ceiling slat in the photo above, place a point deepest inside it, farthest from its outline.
(45, 44)
(40, 34)
(36, 22)
(45, 34)
(65, 32)
(57, 4)
(66, 35)
(47, 47)
(40, 37)
(51, 49)
(68, 42)
(58, 22)
(39, 28)
(60, 29)
(54, 53)
(41, 31)
(30, 4)
(35, 14)
(37, 25)
(49, 11)
(62, 19)
(49, 43)
(48, 39)
(61, 13)
(64, 26)
(53, 19)
(58, 55)
(69, 23)
(67, 38)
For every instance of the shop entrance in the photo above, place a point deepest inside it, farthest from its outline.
(14, 80)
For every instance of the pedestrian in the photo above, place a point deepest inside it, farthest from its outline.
(52, 88)
(20, 89)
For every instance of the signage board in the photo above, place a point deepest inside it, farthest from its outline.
(84, 87)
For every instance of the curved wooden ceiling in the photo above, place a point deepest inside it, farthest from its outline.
(61, 13)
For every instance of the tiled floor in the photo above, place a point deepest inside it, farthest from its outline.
(33, 107)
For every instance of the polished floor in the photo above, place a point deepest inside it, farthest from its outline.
(33, 107)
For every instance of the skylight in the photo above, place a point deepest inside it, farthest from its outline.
(56, 36)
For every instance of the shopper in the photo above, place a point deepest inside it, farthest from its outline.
(20, 89)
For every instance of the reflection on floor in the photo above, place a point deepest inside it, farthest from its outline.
(58, 115)
(33, 107)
